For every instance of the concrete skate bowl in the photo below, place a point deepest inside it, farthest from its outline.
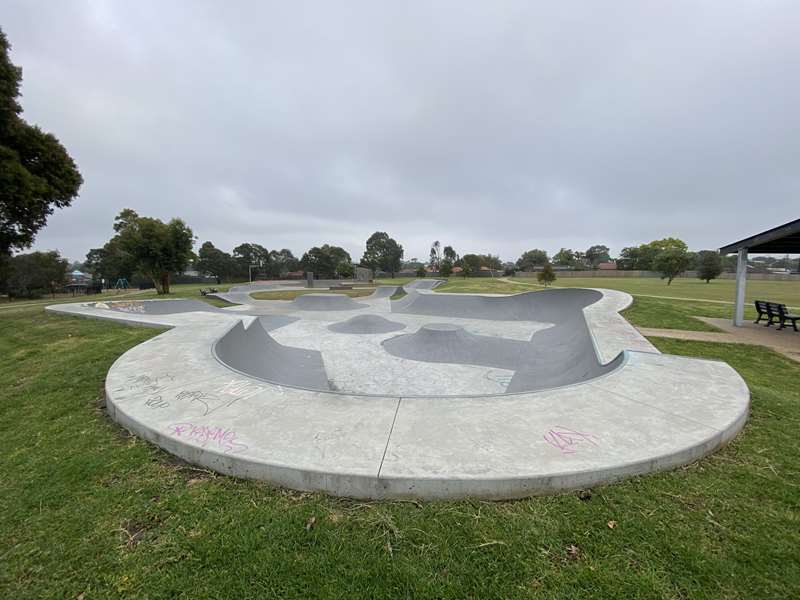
(561, 351)
(435, 396)
(325, 302)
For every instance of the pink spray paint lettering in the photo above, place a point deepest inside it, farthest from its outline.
(206, 435)
(568, 440)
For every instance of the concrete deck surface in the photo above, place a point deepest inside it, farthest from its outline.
(646, 412)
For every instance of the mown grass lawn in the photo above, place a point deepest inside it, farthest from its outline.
(647, 310)
(87, 509)
(722, 290)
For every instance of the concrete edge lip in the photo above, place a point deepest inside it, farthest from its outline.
(599, 431)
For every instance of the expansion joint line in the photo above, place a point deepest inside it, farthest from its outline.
(389, 437)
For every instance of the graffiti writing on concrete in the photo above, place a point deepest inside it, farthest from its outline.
(192, 396)
(209, 436)
(568, 440)
(156, 402)
(222, 397)
(152, 387)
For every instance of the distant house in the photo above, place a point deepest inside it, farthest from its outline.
(610, 265)
(79, 278)
(295, 275)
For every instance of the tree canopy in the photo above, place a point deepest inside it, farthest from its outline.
(37, 175)
(250, 255)
(709, 265)
(215, 262)
(282, 262)
(671, 262)
(597, 254)
(157, 248)
(35, 274)
(642, 257)
(382, 253)
(328, 261)
(564, 257)
(546, 276)
(435, 255)
(532, 258)
(110, 262)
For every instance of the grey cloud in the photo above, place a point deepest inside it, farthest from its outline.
(495, 127)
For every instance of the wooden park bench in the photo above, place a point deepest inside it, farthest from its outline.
(761, 309)
(207, 291)
(776, 313)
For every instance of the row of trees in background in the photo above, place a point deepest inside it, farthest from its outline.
(148, 248)
(244, 261)
(669, 257)
(155, 250)
(445, 261)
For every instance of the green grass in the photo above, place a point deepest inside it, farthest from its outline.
(87, 509)
(786, 292)
(676, 314)
(395, 280)
(648, 310)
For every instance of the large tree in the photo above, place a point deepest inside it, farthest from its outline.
(110, 262)
(251, 255)
(532, 258)
(564, 257)
(36, 173)
(671, 262)
(215, 262)
(471, 263)
(642, 257)
(328, 261)
(157, 248)
(597, 254)
(282, 262)
(383, 253)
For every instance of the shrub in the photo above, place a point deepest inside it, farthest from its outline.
(546, 276)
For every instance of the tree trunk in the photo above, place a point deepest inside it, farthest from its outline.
(156, 284)
(165, 283)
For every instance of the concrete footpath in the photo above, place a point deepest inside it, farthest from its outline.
(785, 341)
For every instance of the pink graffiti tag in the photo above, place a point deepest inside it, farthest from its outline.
(567, 440)
(205, 435)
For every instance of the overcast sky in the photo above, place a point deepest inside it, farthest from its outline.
(493, 126)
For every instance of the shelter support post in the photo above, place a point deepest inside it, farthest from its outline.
(741, 280)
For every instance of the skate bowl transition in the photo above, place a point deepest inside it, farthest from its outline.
(432, 395)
